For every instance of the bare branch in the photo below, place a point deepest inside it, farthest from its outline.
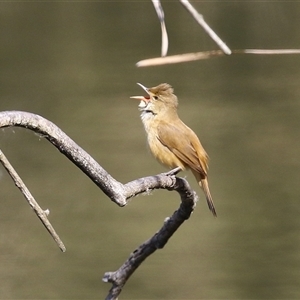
(200, 20)
(164, 35)
(158, 241)
(175, 59)
(42, 214)
(186, 57)
(111, 187)
(267, 51)
(116, 191)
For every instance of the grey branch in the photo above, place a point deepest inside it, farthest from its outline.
(200, 20)
(42, 214)
(158, 241)
(111, 187)
(119, 193)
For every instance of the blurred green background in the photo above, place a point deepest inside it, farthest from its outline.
(74, 64)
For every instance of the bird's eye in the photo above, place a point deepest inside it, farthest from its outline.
(155, 97)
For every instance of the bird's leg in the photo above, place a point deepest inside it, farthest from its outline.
(173, 172)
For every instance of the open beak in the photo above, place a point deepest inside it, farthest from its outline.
(142, 98)
(144, 88)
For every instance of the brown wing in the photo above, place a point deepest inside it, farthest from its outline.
(184, 143)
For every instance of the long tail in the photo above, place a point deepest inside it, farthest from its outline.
(204, 185)
(210, 203)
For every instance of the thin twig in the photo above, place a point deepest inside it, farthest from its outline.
(267, 51)
(200, 20)
(164, 35)
(42, 214)
(186, 57)
(179, 58)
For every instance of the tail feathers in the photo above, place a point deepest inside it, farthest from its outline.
(204, 184)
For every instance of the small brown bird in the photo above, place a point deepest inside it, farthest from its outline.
(171, 142)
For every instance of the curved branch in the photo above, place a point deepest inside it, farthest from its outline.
(158, 241)
(111, 187)
(116, 191)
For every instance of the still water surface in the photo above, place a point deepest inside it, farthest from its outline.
(74, 63)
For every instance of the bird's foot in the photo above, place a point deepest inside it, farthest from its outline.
(173, 172)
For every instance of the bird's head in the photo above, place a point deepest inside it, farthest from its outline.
(158, 101)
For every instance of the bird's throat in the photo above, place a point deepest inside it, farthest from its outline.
(148, 119)
(147, 115)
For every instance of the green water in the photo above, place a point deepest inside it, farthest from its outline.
(74, 64)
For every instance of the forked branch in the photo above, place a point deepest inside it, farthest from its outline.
(186, 57)
(116, 191)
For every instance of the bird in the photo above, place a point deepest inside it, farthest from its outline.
(170, 140)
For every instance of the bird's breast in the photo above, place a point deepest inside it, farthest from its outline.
(162, 153)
